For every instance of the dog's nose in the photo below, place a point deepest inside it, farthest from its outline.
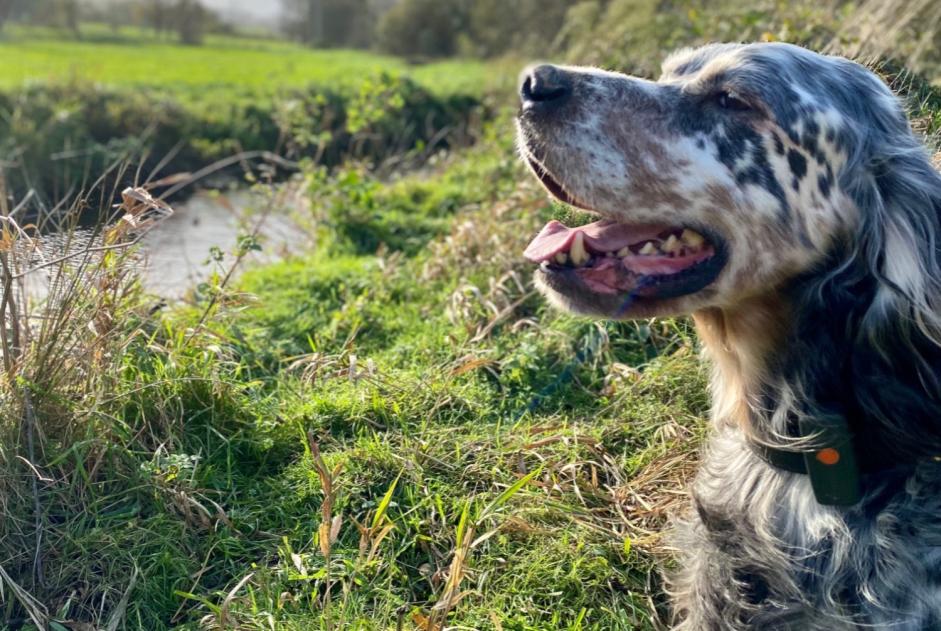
(545, 84)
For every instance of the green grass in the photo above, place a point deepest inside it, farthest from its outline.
(391, 431)
(479, 458)
(136, 58)
(71, 108)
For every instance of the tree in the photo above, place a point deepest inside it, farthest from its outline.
(528, 26)
(191, 22)
(424, 28)
(314, 25)
(329, 23)
(6, 6)
(158, 15)
(70, 14)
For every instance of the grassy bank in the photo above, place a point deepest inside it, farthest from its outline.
(70, 109)
(476, 457)
(390, 431)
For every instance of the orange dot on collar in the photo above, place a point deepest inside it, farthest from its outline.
(828, 456)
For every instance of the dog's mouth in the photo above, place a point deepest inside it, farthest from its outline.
(620, 263)
(552, 185)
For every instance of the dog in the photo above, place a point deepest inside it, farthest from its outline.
(781, 198)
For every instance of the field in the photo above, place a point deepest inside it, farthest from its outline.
(128, 97)
(391, 430)
(131, 57)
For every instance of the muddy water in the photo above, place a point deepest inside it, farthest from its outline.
(177, 250)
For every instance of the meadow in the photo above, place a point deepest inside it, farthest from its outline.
(391, 430)
(72, 109)
(134, 57)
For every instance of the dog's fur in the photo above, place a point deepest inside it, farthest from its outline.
(829, 304)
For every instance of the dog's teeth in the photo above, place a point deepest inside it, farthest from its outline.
(671, 245)
(561, 258)
(648, 249)
(625, 251)
(692, 239)
(577, 252)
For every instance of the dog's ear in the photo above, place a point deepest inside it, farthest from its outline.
(892, 260)
(896, 189)
(887, 281)
(899, 200)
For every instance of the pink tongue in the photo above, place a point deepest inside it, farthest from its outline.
(601, 236)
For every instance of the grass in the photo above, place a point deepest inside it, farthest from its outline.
(135, 58)
(361, 437)
(390, 431)
(70, 108)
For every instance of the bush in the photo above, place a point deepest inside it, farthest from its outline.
(423, 28)
(526, 26)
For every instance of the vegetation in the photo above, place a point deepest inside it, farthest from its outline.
(184, 109)
(636, 34)
(330, 23)
(389, 431)
(188, 19)
(135, 58)
(417, 398)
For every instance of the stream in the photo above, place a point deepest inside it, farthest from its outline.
(177, 250)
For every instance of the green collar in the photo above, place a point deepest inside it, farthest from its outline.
(831, 463)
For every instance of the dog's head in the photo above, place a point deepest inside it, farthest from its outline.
(740, 168)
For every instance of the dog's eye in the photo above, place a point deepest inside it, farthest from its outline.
(729, 101)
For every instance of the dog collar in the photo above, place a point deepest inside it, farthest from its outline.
(831, 463)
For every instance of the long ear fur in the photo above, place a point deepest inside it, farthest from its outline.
(877, 309)
(895, 354)
(901, 224)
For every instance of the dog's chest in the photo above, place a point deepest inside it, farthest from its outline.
(789, 563)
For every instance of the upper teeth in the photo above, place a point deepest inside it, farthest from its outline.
(578, 252)
(692, 239)
(671, 245)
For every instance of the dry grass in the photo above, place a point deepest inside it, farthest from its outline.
(65, 291)
(906, 29)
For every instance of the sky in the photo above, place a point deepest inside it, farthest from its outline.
(263, 12)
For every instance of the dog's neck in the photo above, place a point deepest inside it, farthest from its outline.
(774, 360)
(739, 341)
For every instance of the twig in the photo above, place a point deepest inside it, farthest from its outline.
(114, 620)
(227, 162)
(240, 256)
(100, 248)
(224, 609)
(36, 471)
(500, 317)
(22, 204)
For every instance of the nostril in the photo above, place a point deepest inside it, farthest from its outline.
(545, 83)
(527, 89)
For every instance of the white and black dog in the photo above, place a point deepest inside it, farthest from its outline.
(781, 198)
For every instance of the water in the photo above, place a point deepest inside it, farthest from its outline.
(176, 250)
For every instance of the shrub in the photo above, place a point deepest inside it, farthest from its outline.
(423, 28)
